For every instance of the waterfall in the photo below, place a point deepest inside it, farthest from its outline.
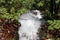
(29, 26)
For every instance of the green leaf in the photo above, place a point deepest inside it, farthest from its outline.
(3, 10)
(40, 4)
(12, 10)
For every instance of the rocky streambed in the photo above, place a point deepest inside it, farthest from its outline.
(9, 31)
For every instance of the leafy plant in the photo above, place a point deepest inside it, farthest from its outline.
(12, 9)
(54, 24)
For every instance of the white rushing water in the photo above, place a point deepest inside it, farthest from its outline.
(30, 23)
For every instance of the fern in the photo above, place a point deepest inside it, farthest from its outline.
(55, 24)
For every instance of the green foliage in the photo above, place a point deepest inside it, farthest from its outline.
(57, 1)
(54, 24)
(40, 4)
(3, 10)
(13, 15)
(2, 1)
(12, 9)
(27, 3)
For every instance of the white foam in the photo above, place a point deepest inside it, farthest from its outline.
(29, 29)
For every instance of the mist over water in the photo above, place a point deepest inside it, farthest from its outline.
(29, 27)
